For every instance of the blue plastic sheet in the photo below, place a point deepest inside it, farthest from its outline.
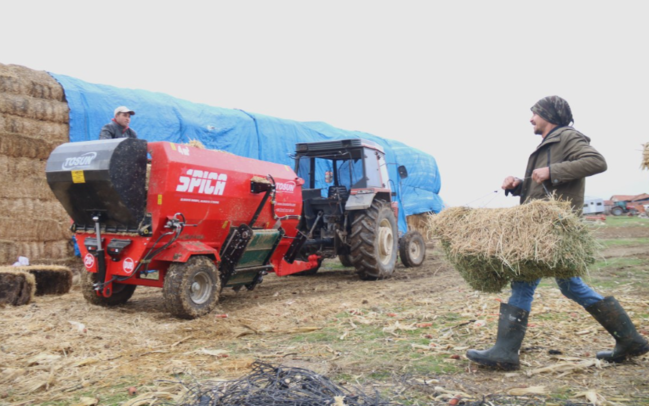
(160, 117)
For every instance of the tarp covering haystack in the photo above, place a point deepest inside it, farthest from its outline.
(33, 121)
(491, 247)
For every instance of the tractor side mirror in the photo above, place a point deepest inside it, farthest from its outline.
(403, 172)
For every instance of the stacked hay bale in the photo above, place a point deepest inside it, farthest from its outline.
(33, 121)
(491, 247)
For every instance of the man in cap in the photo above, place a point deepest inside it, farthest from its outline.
(119, 125)
(558, 167)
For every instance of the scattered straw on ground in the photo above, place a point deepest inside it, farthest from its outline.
(491, 247)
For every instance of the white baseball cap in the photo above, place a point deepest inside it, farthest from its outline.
(123, 109)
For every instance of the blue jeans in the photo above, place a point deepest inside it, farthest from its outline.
(573, 288)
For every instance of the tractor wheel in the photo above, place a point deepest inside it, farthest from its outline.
(121, 293)
(346, 260)
(191, 289)
(412, 249)
(617, 211)
(374, 242)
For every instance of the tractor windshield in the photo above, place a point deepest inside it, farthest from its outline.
(354, 169)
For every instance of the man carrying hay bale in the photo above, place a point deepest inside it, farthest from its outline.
(558, 167)
(119, 125)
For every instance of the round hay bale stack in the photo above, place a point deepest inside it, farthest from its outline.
(50, 279)
(16, 288)
(491, 247)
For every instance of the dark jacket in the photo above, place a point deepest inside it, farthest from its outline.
(114, 130)
(571, 158)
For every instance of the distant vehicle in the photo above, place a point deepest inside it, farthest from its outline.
(593, 206)
(622, 207)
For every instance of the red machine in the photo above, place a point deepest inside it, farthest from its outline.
(197, 222)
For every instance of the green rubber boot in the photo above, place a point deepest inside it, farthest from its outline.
(512, 325)
(628, 343)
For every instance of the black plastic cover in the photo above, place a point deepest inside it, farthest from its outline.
(105, 178)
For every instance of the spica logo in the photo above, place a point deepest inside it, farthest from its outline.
(79, 161)
(208, 183)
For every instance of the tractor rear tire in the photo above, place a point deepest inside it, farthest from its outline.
(191, 289)
(617, 211)
(374, 242)
(346, 260)
(412, 249)
(121, 292)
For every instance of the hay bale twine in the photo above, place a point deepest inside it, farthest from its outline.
(16, 288)
(50, 279)
(492, 247)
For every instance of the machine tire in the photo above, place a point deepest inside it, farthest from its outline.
(121, 293)
(374, 242)
(346, 260)
(191, 289)
(412, 249)
(617, 211)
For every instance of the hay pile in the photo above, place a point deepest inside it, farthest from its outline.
(645, 156)
(33, 121)
(491, 247)
(50, 279)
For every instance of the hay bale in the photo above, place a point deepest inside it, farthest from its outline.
(57, 133)
(16, 287)
(17, 145)
(491, 247)
(50, 279)
(196, 144)
(418, 222)
(18, 79)
(49, 209)
(34, 187)
(34, 229)
(31, 107)
(36, 251)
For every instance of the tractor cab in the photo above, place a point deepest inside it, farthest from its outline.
(340, 176)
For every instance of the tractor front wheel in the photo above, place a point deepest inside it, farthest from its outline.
(191, 289)
(121, 293)
(617, 211)
(374, 241)
(412, 249)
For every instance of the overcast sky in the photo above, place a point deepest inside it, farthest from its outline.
(455, 79)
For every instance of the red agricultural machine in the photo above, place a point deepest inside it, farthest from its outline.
(193, 221)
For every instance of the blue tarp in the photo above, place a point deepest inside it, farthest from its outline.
(160, 117)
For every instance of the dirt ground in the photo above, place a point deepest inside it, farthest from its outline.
(61, 350)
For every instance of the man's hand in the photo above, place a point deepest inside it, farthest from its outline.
(510, 182)
(540, 175)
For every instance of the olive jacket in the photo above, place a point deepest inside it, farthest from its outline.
(571, 158)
